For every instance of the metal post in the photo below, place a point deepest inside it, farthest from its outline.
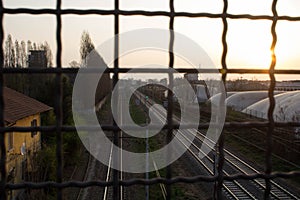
(116, 139)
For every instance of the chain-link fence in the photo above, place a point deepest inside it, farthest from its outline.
(268, 175)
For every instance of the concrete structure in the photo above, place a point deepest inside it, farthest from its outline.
(37, 59)
(21, 110)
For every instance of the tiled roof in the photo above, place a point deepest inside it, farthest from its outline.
(18, 106)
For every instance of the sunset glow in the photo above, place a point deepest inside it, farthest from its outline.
(249, 41)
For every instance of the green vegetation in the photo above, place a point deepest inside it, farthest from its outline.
(138, 113)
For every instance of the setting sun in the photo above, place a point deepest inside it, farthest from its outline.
(249, 43)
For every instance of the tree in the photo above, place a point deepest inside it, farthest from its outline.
(9, 58)
(6, 55)
(18, 54)
(86, 46)
(13, 57)
(23, 54)
(29, 45)
(48, 54)
(41, 46)
(74, 64)
(34, 47)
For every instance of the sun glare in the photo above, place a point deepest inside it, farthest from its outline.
(249, 44)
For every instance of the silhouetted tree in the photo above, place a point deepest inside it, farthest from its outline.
(74, 64)
(23, 54)
(18, 54)
(86, 46)
(29, 45)
(9, 58)
(34, 47)
(48, 54)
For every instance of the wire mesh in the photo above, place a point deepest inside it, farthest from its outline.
(169, 180)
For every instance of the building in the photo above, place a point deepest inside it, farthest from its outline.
(199, 86)
(37, 59)
(191, 77)
(21, 110)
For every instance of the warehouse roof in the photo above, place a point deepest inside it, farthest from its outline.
(286, 109)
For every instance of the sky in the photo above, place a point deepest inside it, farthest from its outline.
(248, 40)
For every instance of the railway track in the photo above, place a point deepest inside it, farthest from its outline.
(97, 171)
(108, 191)
(162, 186)
(80, 193)
(231, 189)
(277, 191)
(282, 136)
(263, 149)
(107, 194)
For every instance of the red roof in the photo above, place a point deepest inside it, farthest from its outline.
(18, 106)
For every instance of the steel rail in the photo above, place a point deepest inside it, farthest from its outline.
(227, 185)
(274, 192)
(253, 170)
(85, 176)
(108, 174)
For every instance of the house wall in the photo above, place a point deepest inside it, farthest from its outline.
(14, 157)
